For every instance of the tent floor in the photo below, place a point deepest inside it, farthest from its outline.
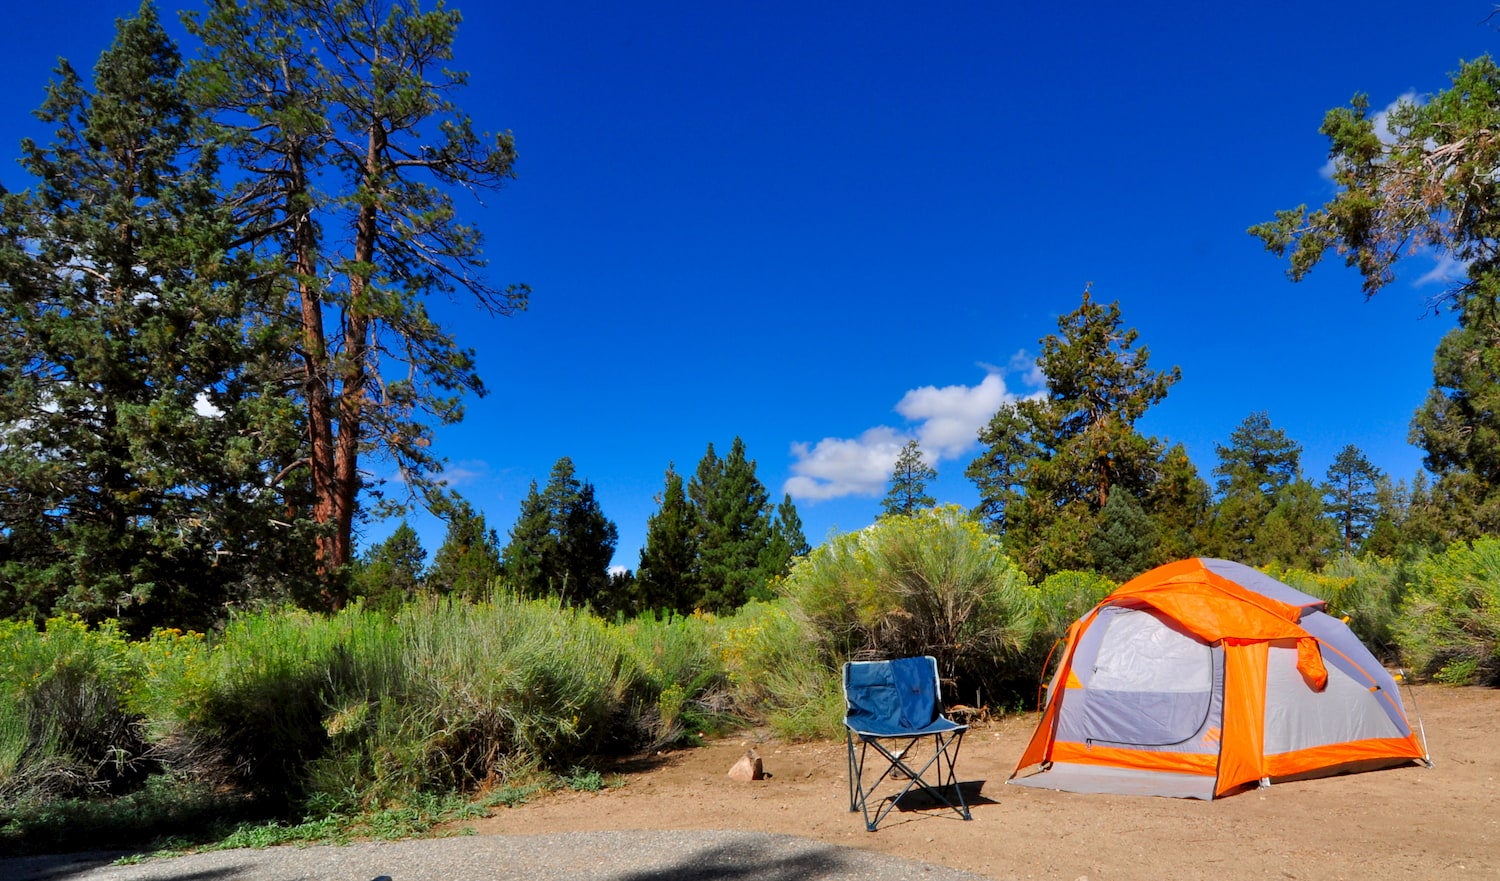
(1119, 781)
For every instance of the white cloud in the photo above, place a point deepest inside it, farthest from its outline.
(1446, 269)
(837, 467)
(951, 416)
(945, 423)
(206, 408)
(468, 472)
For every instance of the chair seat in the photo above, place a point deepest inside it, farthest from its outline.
(940, 725)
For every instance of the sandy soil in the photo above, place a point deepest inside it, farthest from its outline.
(1407, 823)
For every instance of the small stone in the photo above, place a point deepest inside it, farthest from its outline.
(747, 768)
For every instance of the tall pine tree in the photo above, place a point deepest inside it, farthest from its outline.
(1419, 179)
(468, 561)
(667, 577)
(1351, 496)
(341, 121)
(142, 423)
(734, 519)
(1050, 464)
(1259, 461)
(562, 544)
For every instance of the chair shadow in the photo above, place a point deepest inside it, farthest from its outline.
(922, 800)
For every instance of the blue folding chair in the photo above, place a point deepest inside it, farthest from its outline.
(892, 707)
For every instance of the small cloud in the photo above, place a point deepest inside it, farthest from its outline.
(205, 407)
(1026, 364)
(951, 416)
(835, 467)
(945, 423)
(1446, 270)
(466, 473)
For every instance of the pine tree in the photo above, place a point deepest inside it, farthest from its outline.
(391, 572)
(1351, 496)
(1180, 501)
(909, 480)
(1050, 464)
(340, 119)
(1423, 183)
(734, 520)
(667, 577)
(1258, 462)
(1125, 544)
(526, 560)
(468, 561)
(787, 541)
(142, 426)
(1295, 533)
(562, 544)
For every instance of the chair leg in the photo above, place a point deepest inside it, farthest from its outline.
(941, 767)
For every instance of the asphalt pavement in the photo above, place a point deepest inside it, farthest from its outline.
(570, 856)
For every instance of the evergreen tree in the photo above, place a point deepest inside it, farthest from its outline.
(1125, 544)
(143, 437)
(1351, 496)
(1458, 426)
(340, 119)
(468, 561)
(562, 544)
(1295, 533)
(1423, 185)
(1051, 463)
(734, 520)
(1258, 462)
(909, 479)
(1181, 501)
(787, 541)
(527, 559)
(1392, 506)
(667, 577)
(391, 572)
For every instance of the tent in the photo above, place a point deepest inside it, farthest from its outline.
(1202, 676)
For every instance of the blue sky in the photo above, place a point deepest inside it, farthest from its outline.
(827, 228)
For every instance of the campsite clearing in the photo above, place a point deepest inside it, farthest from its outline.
(1402, 823)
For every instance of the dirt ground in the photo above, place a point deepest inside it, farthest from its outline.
(1408, 823)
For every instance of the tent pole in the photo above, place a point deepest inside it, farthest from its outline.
(1416, 711)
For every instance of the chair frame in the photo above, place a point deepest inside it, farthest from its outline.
(944, 789)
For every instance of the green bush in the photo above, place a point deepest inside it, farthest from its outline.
(64, 726)
(682, 689)
(1449, 627)
(931, 583)
(1365, 590)
(774, 674)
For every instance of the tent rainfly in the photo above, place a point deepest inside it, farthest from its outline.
(1202, 676)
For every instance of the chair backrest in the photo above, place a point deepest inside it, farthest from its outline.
(891, 696)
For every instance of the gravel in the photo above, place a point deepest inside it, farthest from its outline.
(572, 856)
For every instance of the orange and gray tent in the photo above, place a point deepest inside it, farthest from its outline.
(1202, 676)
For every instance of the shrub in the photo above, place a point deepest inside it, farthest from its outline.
(930, 583)
(764, 649)
(64, 726)
(1365, 590)
(1450, 618)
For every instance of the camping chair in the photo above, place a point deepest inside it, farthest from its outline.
(892, 707)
